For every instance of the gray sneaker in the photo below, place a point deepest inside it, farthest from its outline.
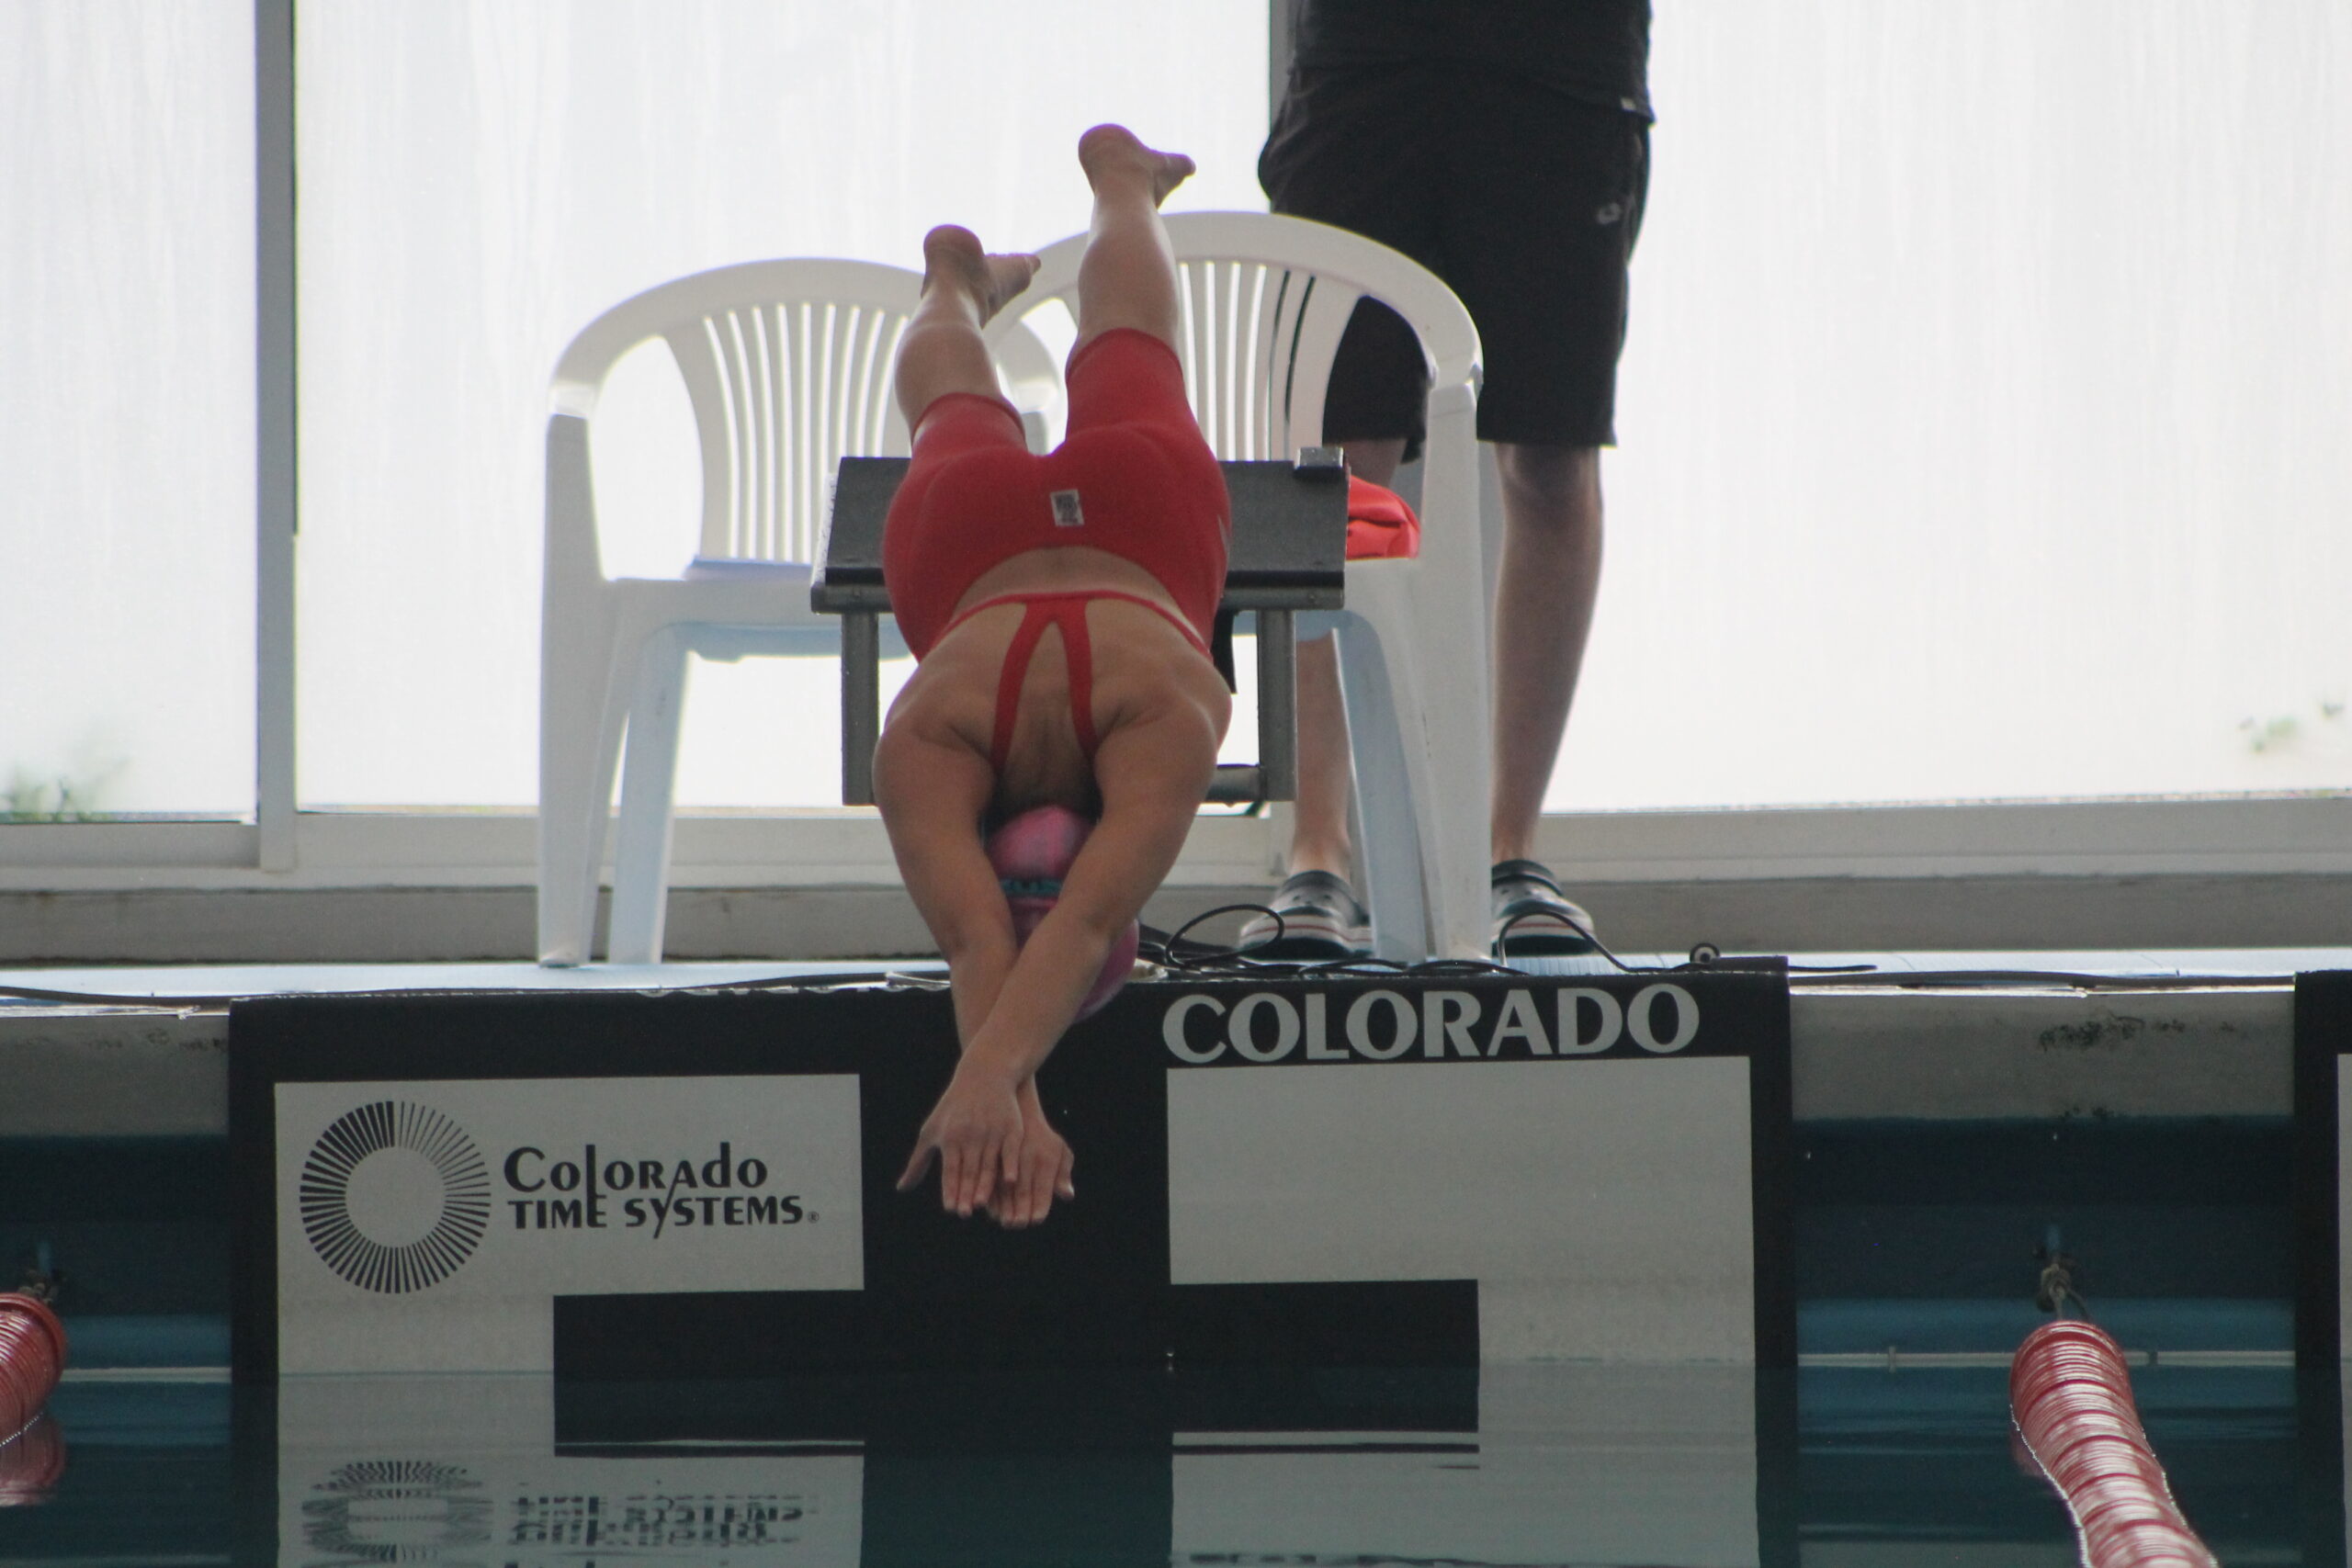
(1531, 918)
(1321, 921)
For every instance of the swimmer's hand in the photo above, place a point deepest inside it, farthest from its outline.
(1045, 1168)
(977, 1132)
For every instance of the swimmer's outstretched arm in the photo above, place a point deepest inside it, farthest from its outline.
(1151, 773)
(932, 792)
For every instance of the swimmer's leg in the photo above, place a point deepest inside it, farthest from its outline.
(1127, 278)
(962, 287)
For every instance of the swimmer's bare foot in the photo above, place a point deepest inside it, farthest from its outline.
(952, 256)
(1112, 153)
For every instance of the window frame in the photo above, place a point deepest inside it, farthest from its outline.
(2234, 836)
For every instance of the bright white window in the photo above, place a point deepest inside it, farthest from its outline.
(126, 408)
(1985, 412)
(479, 181)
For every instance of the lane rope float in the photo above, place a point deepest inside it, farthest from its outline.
(32, 1355)
(2070, 1397)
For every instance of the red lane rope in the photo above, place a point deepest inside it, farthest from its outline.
(32, 1352)
(2072, 1401)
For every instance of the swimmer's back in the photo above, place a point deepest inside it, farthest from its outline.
(1145, 675)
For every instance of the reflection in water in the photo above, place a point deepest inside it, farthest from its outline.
(396, 1510)
(1513, 1465)
(30, 1464)
(1584, 1465)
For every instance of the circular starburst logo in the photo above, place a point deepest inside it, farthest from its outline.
(394, 1197)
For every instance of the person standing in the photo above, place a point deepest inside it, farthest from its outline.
(1503, 144)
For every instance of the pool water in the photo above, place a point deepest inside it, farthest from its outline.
(1706, 1467)
(1908, 1235)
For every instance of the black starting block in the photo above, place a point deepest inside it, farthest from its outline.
(1406, 1171)
(1289, 553)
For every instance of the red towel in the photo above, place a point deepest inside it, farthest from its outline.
(1380, 526)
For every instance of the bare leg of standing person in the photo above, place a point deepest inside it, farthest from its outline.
(1549, 577)
(1547, 581)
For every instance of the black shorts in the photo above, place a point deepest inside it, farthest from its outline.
(1525, 201)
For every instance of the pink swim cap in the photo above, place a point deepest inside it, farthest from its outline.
(1030, 854)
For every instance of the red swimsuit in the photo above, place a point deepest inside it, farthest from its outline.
(1066, 610)
(1132, 478)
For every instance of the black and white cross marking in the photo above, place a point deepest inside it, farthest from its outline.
(1407, 1172)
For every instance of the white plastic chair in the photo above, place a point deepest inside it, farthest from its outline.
(1265, 300)
(787, 366)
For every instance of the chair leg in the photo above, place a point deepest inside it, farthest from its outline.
(648, 787)
(1388, 851)
(1449, 724)
(582, 710)
(1447, 736)
(1421, 771)
(1454, 840)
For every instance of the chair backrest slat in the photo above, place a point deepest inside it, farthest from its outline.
(1264, 302)
(876, 399)
(859, 332)
(787, 366)
(1277, 318)
(1323, 313)
(1248, 333)
(806, 338)
(790, 374)
(787, 363)
(695, 348)
(831, 413)
(756, 527)
(736, 357)
(1230, 370)
(1258, 345)
(1234, 286)
(788, 378)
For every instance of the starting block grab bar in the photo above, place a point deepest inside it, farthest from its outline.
(1288, 553)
